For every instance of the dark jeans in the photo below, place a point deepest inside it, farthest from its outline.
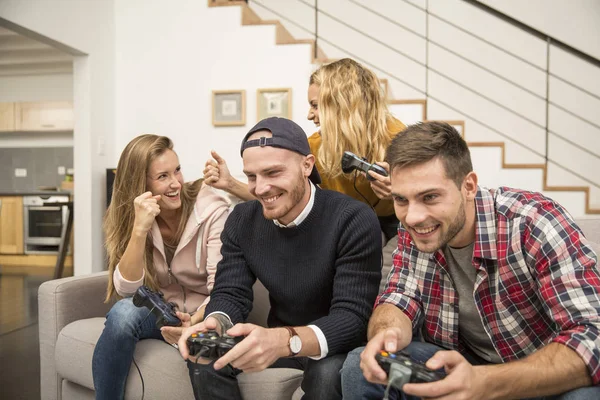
(321, 378)
(356, 387)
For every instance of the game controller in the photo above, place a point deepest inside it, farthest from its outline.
(413, 371)
(154, 301)
(210, 345)
(351, 161)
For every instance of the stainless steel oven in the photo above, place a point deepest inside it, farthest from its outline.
(43, 221)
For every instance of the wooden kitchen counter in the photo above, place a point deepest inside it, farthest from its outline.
(33, 264)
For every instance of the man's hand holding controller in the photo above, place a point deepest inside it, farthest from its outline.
(389, 340)
(215, 322)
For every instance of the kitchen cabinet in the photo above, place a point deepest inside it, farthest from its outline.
(11, 225)
(44, 116)
(7, 117)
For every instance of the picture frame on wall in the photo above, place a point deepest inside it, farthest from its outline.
(229, 107)
(274, 103)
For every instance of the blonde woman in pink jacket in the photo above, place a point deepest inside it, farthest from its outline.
(162, 233)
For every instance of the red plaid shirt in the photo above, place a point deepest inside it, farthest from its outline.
(537, 280)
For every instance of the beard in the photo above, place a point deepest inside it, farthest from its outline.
(295, 196)
(453, 229)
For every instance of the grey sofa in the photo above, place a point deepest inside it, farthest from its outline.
(72, 317)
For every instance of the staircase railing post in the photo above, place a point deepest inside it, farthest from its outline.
(316, 29)
(427, 50)
(548, 42)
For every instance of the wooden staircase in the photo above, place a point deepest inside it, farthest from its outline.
(284, 37)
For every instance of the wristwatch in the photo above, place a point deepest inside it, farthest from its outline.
(295, 343)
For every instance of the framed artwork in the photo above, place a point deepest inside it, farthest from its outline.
(273, 103)
(229, 107)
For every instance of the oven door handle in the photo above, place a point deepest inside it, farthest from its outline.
(44, 208)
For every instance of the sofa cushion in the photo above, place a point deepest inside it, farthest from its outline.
(164, 373)
(74, 349)
(72, 391)
(590, 228)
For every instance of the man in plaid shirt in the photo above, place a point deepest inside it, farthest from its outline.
(500, 285)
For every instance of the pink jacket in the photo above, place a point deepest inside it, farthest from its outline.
(195, 261)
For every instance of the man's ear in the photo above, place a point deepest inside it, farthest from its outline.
(307, 164)
(470, 185)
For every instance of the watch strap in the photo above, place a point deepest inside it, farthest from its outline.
(292, 333)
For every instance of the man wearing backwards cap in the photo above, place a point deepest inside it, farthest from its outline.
(317, 252)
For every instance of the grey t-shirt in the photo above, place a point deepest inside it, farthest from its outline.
(471, 329)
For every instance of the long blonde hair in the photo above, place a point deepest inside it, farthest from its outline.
(352, 112)
(130, 182)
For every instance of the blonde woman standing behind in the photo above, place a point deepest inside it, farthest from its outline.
(160, 232)
(347, 104)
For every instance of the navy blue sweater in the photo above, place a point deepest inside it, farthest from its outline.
(325, 272)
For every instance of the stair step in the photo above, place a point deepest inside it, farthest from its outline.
(419, 102)
(409, 114)
(282, 35)
(249, 17)
(225, 3)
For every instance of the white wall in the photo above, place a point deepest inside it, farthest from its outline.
(87, 27)
(572, 22)
(54, 87)
(166, 73)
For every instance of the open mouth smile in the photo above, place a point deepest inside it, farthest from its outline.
(425, 232)
(272, 199)
(172, 195)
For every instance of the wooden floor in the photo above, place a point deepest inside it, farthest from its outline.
(19, 345)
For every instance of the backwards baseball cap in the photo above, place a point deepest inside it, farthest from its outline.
(286, 135)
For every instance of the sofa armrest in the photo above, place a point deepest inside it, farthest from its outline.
(60, 302)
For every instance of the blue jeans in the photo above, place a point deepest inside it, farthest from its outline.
(356, 387)
(125, 325)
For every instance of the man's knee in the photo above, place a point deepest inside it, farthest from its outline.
(351, 368)
(208, 383)
(327, 368)
(585, 393)
(322, 377)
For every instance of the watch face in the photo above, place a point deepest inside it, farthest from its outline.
(295, 344)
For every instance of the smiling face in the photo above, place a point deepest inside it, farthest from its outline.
(430, 206)
(278, 179)
(313, 101)
(165, 178)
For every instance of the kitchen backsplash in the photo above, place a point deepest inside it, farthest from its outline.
(40, 164)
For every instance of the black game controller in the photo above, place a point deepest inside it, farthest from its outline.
(154, 301)
(412, 371)
(210, 345)
(351, 161)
